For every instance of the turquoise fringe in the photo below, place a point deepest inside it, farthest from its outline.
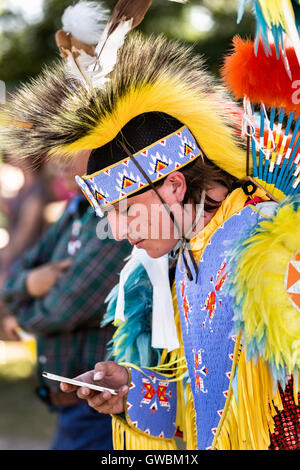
(132, 340)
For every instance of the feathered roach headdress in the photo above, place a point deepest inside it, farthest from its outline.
(58, 115)
(264, 86)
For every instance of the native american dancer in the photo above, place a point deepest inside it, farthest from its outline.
(164, 136)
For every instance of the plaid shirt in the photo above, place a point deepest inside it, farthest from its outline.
(66, 321)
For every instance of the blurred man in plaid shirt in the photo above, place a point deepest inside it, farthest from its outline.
(57, 291)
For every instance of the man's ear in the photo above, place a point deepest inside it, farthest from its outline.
(177, 183)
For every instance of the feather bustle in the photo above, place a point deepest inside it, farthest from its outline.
(262, 79)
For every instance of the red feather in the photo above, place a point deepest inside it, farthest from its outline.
(262, 79)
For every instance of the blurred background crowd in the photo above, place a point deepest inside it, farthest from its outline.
(34, 198)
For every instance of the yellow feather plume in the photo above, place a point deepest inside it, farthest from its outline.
(270, 321)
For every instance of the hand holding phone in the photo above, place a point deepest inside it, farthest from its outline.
(114, 379)
(78, 383)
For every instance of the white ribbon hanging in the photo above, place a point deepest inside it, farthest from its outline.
(164, 333)
(249, 122)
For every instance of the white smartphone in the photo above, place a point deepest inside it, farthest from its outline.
(78, 383)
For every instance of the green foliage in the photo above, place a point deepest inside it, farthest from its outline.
(26, 47)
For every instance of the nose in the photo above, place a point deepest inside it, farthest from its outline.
(118, 224)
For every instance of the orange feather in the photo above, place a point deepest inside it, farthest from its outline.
(260, 78)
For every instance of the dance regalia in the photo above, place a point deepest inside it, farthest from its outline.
(229, 380)
(227, 398)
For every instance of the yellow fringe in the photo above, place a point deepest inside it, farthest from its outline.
(247, 426)
(190, 435)
(273, 11)
(128, 438)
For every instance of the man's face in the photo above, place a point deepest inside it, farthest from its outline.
(145, 222)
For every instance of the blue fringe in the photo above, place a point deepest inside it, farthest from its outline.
(262, 26)
(132, 340)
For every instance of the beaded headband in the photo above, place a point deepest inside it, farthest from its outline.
(123, 179)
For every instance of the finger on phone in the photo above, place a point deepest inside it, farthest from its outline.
(86, 393)
(67, 388)
(107, 403)
(106, 397)
(100, 399)
(105, 369)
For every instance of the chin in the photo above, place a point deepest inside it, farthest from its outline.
(154, 255)
(155, 252)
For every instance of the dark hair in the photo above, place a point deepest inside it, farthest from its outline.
(147, 128)
(200, 175)
(137, 134)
